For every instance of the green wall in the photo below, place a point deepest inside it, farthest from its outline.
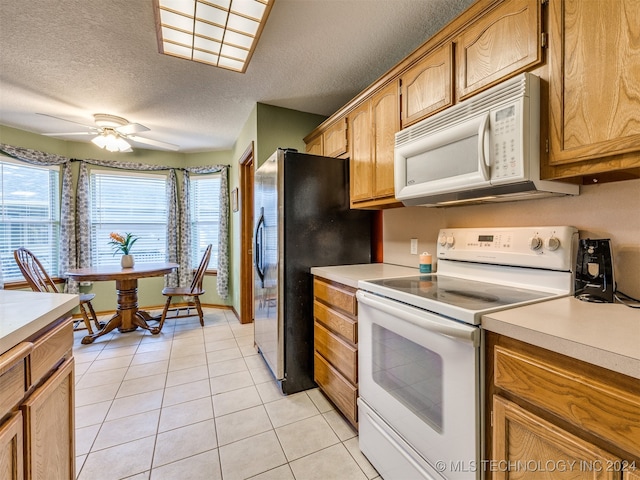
(267, 127)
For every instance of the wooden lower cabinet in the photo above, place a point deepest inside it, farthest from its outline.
(336, 345)
(552, 416)
(37, 432)
(528, 447)
(49, 427)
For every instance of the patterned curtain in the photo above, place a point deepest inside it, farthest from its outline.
(223, 225)
(186, 275)
(75, 249)
(171, 280)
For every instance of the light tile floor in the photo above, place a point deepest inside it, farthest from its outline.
(200, 403)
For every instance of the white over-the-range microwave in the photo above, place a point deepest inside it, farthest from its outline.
(483, 149)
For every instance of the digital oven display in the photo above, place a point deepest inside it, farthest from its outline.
(485, 238)
(505, 113)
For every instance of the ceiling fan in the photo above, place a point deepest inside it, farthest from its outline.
(112, 133)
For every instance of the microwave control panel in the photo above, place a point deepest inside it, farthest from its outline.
(506, 145)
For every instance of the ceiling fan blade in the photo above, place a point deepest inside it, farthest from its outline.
(155, 143)
(63, 134)
(131, 128)
(65, 120)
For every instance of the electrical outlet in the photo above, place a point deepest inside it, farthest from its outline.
(414, 246)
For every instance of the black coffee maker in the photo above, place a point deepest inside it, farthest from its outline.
(594, 280)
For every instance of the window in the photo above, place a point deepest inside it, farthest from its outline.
(29, 215)
(205, 208)
(128, 203)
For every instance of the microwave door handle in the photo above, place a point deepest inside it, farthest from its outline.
(484, 162)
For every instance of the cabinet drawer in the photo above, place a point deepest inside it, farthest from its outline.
(335, 321)
(342, 356)
(580, 398)
(337, 295)
(13, 376)
(339, 390)
(50, 350)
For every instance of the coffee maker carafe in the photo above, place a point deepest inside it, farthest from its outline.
(594, 281)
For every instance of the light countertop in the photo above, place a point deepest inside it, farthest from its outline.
(351, 274)
(603, 334)
(24, 313)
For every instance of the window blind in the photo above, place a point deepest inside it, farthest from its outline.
(205, 210)
(29, 215)
(128, 203)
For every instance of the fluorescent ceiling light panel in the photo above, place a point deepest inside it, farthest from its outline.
(223, 33)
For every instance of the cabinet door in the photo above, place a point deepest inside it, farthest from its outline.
(427, 87)
(531, 446)
(314, 147)
(361, 162)
(594, 80)
(334, 140)
(11, 456)
(385, 112)
(632, 474)
(505, 41)
(49, 427)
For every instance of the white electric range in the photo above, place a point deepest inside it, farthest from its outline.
(420, 347)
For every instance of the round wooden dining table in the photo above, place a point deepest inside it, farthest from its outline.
(127, 317)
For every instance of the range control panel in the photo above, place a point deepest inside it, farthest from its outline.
(549, 247)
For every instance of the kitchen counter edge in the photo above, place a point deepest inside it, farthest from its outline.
(603, 334)
(351, 274)
(24, 313)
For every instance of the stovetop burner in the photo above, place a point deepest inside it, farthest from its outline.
(466, 294)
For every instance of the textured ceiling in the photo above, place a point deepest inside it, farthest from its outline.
(74, 58)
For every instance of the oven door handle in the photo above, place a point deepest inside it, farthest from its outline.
(448, 327)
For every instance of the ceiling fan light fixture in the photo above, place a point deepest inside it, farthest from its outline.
(222, 33)
(112, 142)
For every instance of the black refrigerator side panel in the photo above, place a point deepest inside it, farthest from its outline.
(319, 230)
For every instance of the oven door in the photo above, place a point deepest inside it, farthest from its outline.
(420, 373)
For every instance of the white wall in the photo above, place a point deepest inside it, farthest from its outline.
(608, 210)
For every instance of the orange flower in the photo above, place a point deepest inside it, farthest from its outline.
(122, 243)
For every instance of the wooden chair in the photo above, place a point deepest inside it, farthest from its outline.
(40, 281)
(195, 290)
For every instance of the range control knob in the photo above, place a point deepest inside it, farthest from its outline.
(535, 243)
(450, 241)
(442, 240)
(553, 243)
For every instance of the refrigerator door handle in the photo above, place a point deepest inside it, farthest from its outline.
(259, 247)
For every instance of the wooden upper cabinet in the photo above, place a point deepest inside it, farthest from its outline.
(427, 86)
(314, 146)
(386, 122)
(594, 84)
(372, 127)
(501, 43)
(334, 139)
(361, 165)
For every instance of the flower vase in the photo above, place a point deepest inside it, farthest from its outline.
(127, 261)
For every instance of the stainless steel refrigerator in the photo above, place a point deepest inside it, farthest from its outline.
(302, 219)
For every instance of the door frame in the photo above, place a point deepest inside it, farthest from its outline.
(245, 201)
